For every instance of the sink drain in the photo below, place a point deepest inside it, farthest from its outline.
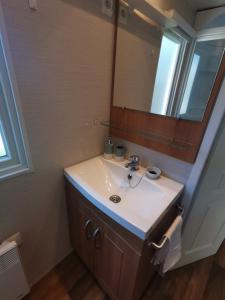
(115, 198)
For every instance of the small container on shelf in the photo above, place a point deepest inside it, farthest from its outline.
(120, 152)
(153, 172)
(108, 148)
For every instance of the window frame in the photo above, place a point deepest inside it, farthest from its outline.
(3, 138)
(183, 52)
(19, 159)
(185, 74)
(177, 34)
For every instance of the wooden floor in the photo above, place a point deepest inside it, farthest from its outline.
(204, 280)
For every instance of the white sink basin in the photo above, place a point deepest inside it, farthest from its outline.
(140, 208)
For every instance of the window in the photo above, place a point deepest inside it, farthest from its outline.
(189, 85)
(2, 147)
(171, 55)
(14, 154)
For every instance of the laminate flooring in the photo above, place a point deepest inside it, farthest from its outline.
(70, 280)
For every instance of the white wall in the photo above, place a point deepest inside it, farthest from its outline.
(62, 57)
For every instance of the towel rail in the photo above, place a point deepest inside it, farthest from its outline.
(164, 238)
(160, 245)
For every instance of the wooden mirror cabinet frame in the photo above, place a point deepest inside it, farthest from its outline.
(175, 137)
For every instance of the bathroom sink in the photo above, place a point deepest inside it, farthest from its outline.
(137, 206)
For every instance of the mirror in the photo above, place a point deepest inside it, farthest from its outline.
(163, 71)
(203, 69)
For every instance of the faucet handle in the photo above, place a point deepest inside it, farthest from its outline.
(134, 159)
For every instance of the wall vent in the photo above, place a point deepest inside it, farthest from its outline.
(13, 283)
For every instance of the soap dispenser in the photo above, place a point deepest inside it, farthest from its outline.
(108, 148)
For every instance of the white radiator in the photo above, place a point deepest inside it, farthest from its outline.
(13, 283)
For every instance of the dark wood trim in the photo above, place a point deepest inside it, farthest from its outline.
(175, 137)
(114, 49)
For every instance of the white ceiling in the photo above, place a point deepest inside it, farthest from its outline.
(202, 4)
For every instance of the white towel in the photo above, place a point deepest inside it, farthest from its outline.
(170, 253)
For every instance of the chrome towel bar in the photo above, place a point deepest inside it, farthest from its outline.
(164, 238)
(160, 245)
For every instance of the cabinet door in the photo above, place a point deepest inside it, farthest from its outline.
(108, 260)
(81, 228)
(115, 263)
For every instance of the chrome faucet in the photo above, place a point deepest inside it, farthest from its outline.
(134, 163)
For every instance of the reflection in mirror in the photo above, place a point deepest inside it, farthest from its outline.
(138, 47)
(169, 66)
(203, 69)
(163, 71)
(216, 21)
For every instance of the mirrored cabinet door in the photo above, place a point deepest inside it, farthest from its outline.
(163, 70)
(166, 79)
(203, 68)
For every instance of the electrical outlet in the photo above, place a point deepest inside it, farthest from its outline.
(33, 4)
(123, 14)
(107, 7)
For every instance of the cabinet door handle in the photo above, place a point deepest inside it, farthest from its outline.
(88, 233)
(97, 238)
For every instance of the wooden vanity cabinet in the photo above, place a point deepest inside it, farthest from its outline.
(114, 260)
(81, 230)
(118, 259)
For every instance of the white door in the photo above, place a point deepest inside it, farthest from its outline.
(205, 228)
